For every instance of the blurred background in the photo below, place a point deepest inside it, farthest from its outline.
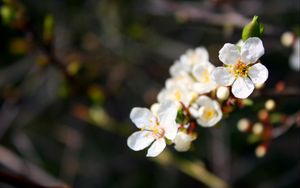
(70, 72)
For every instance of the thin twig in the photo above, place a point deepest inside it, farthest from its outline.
(289, 122)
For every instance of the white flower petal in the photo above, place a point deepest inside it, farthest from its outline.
(222, 76)
(167, 113)
(178, 68)
(295, 57)
(140, 140)
(142, 117)
(258, 73)
(202, 52)
(156, 148)
(252, 50)
(295, 61)
(170, 130)
(219, 116)
(204, 101)
(201, 88)
(242, 87)
(229, 54)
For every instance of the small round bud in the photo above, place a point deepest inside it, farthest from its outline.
(182, 141)
(222, 93)
(257, 128)
(287, 39)
(261, 151)
(263, 115)
(243, 125)
(270, 104)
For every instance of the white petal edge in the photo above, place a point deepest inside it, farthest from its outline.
(252, 50)
(139, 140)
(167, 113)
(222, 76)
(217, 107)
(258, 73)
(156, 148)
(142, 117)
(242, 88)
(229, 54)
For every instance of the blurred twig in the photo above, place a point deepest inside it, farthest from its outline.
(11, 161)
(288, 92)
(289, 122)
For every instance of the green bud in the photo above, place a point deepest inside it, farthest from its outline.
(253, 29)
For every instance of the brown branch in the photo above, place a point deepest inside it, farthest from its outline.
(289, 122)
(288, 92)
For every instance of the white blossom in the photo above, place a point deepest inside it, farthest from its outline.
(206, 111)
(242, 69)
(194, 57)
(153, 128)
(295, 57)
(183, 141)
(176, 93)
(204, 82)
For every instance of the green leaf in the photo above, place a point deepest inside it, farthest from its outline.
(180, 117)
(253, 29)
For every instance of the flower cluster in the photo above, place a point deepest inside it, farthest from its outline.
(196, 94)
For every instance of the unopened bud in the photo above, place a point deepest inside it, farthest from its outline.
(182, 141)
(222, 93)
(257, 128)
(287, 39)
(252, 29)
(263, 115)
(243, 125)
(261, 151)
(270, 104)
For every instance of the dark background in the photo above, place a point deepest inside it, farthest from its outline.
(65, 102)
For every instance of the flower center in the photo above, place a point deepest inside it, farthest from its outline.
(177, 95)
(205, 78)
(207, 113)
(158, 132)
(240, 69)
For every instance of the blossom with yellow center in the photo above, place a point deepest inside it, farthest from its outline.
(177, 93)
(206, 111)
(242, 69)
(203, 78)
(154, 128)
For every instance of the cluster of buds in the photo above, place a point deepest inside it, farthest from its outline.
(261, 132)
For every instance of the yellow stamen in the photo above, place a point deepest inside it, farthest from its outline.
(207, 113)
(158, 132)
(240, 69)
(177, 95)
(205, 78)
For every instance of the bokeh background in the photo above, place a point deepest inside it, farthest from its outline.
(71, 70)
